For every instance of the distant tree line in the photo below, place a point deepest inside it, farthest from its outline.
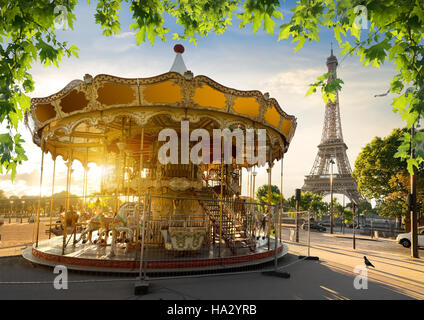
(313, 203)
(28, 205)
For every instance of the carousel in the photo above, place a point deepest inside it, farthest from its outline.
(147, 212)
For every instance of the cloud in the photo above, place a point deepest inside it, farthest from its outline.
(293, 82)
(123, 35)
(103, 44)
(27, 178)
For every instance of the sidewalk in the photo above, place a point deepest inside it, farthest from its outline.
(401, 274)
(357, 236)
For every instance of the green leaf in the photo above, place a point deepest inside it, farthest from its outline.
(284, 31)
(312, 89)
(269, 24)
(257, 21)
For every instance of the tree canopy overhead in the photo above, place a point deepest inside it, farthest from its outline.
(395, 33)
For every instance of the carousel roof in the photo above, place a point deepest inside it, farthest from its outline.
(99, 97)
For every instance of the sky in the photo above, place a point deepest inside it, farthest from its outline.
(237, 59)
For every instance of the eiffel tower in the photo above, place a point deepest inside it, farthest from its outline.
(332, 150)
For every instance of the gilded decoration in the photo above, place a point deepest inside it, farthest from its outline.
(163, 92)
(208, 97)
(181, 206)
(74, 101)
(45, 111)
(116, 94)
(247, 106)
(105, 92)
(272, 117)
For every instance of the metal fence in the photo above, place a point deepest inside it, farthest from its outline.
(160, 234)
(296, 232)
(204, 235)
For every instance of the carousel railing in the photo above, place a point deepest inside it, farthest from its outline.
(238, 225)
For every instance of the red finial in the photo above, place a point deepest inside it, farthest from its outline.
(178, 48)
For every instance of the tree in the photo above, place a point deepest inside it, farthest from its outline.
(385, 178)
(27, 35)
(348, 216)
(27, 31)
(262, 195)
(308, 201)
(376, 165)
(395, 204)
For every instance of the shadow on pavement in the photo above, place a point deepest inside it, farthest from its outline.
(309, 280)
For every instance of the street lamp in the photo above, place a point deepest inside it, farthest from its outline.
(353, 224)
(331, 196)
(412, 202)
(343, 216)
(23, 209)
(11, 210)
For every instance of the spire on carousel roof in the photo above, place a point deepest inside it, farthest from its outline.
(179, 65)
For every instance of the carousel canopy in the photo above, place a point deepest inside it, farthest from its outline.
(82, 104)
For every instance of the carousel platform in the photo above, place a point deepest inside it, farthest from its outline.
(94, 258)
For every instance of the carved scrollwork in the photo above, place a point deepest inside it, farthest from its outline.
(183, 109)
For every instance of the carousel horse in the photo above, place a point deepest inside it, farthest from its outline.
(99, 223)
(123, 231)
(70, 217)
(262, 223)
(122, 226)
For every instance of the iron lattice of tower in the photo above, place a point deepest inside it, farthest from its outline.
(332, 147)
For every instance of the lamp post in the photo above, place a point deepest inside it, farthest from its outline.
(331, 197)
(353, 224)
(269, 170)
(412, 203)
(23, 209)
(298, 194)
(343, 216)
(11, 210)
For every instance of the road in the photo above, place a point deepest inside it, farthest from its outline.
(396, 276)
(381, 245)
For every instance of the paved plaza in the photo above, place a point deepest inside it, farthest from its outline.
(396, 276)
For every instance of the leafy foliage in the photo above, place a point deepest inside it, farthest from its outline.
(308, 201)
(395, 34)
(385, 178)
(27, 35)
(262, 195)
(376, 165)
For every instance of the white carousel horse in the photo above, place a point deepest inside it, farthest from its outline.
(126, 218)
(99, 223)
(123, 223)
(262, 222)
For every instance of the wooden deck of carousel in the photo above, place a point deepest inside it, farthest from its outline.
(92, 257)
